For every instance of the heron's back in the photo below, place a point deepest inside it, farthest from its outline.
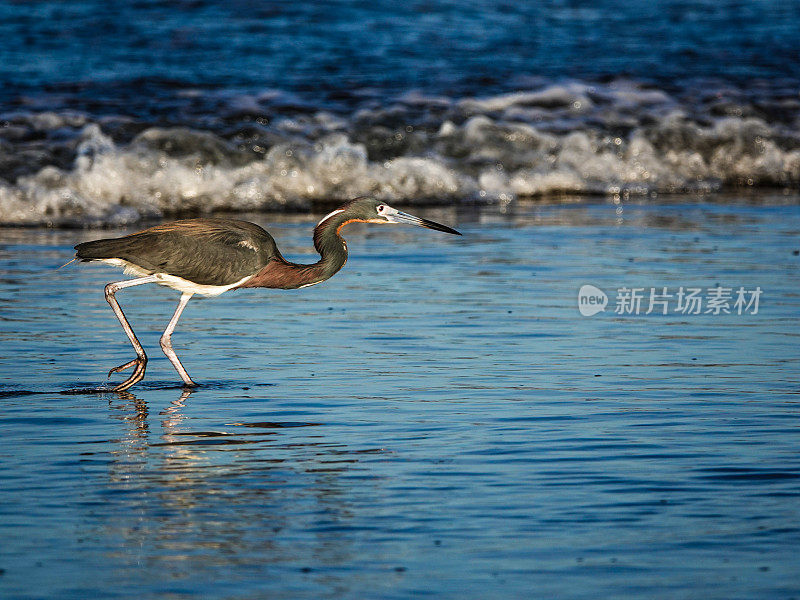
(216, 252)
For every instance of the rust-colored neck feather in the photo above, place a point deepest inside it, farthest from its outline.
(280, 273)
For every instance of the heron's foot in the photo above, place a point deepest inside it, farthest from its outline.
(139, 363)
(127, 365)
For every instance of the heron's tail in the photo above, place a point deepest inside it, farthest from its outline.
(100, 249)
(94, 250)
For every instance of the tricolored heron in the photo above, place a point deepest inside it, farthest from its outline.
(211, 256)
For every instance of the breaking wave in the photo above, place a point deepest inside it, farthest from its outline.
(71, 169)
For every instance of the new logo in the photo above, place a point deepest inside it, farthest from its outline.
(591, 300)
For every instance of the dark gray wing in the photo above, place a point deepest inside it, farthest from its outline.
(204, 251)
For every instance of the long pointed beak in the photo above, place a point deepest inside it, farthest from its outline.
(397, 216)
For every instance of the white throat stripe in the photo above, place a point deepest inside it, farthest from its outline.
(329, 215)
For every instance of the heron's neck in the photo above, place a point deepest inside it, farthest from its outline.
(279, 273)
(330, 245)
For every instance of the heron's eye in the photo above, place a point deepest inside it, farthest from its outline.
(381, 208)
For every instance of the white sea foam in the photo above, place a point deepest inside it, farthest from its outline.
(572, 138)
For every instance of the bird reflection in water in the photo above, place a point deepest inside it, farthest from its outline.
(173, 414)
(243, 493)
(134, 412)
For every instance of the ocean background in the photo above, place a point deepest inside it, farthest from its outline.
(111, 113)
(438, 419)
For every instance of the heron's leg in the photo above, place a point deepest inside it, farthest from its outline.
(166, 341)
(140, 362)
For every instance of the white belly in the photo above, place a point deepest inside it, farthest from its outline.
(176, 283)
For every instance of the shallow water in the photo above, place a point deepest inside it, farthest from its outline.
(436, 419)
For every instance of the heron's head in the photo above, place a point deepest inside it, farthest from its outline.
(370, 210)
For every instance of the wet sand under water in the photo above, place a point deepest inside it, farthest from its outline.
(436, 419)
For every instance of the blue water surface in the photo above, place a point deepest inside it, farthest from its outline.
(438, 419)
(134, 57)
